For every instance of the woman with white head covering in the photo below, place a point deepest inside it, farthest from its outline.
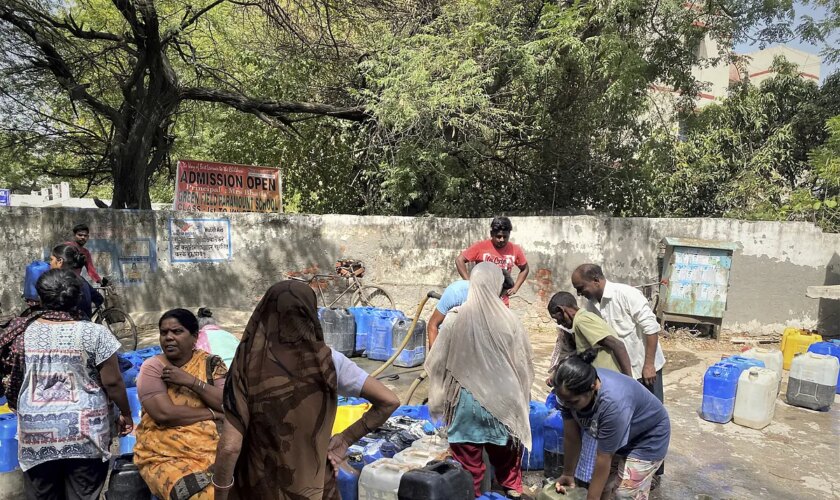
(480, 374)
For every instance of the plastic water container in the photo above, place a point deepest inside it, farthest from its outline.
(356, 451)
(348, 482)
(33, 271)
(364, 323)
(720, 385)
(743, 362)
(134, 403)
(125, 482)
(437, 445)
(772, 358)
(551, 401)
(438, 480)
(339, 328)
(829, 349)
(418, 412)
(414, 353)
(553, 452)
(8, 442)
(813, 381)
(755, 402)
(533, 459)
(347, 401)
(346, 415)
(795, 341)
(379, 449)
(127, 442)
(491, 495)
(380, 342)
(381, 479)
(419, 457)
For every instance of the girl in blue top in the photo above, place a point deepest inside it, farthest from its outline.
(631, 426)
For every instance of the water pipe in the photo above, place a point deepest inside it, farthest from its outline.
(399, 350)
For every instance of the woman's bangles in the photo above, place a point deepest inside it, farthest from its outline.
(201, 385)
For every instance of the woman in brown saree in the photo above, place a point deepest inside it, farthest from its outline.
(280, 403)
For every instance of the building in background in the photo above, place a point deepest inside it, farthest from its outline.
(718, 78)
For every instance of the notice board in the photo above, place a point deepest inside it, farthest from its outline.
(199, 240)
(204, 186)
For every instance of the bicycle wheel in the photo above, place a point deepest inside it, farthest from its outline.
(371, 295)
(122, 326)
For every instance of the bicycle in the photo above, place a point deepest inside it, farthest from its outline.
(352, 272)
(110, 314)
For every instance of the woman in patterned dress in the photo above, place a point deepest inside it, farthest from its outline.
(69, 372)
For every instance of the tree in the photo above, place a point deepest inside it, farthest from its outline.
(457, 107)
(819, 200)
(123, 70)
(751, 155)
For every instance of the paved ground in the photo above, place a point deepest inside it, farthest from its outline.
(796, 457)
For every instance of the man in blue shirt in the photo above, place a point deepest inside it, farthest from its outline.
(454, 295)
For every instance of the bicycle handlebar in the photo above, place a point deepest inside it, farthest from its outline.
(433, 295)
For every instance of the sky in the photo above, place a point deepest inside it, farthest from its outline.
(816, 13)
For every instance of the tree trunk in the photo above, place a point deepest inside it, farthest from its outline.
(142, 139)
(137, 155)
(132, 174)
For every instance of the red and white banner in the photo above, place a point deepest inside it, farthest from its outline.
(204, 186)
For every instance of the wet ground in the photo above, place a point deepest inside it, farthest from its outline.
(796, 457)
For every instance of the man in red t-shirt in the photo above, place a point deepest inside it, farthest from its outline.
(498, 250)
(81, 233)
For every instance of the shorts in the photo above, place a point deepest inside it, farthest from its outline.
(630, 478)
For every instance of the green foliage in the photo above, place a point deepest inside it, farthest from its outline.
(823, 31)
(756, 155)
(821, 203)
(474, 107)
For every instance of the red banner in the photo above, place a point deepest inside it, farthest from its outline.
(204, 186)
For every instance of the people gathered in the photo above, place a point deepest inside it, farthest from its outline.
(253, 418)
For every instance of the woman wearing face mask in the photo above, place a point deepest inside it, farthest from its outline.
(631, 426)
(181, 394)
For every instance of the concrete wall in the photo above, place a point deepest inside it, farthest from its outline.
(409, 256)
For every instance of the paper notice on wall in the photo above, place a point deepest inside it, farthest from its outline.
(199, 240)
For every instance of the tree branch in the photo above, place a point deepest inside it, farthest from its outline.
(186, 23)
(273, 108)
(78, 30)
(56, 64)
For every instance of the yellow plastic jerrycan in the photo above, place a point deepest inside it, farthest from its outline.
(346, 415)
(795, 341)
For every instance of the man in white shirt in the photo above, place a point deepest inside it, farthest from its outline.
(627, 311)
